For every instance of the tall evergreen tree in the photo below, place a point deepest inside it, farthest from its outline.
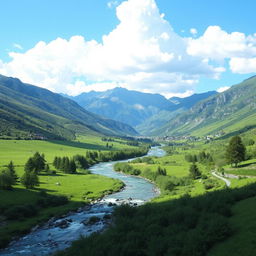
(29, 179)
(29, 166)
(235, 152)
(39, 162)
(194, 171)
(12, 171)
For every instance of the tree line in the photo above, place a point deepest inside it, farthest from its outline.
(37, 164)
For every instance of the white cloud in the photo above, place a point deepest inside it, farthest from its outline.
(193, 31)
(243, 65)
(217, 44)
(142, 53)
(223, 89)
(18, 46)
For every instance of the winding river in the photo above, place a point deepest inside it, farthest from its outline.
(58, 234)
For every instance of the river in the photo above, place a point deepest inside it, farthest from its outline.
(58, 234)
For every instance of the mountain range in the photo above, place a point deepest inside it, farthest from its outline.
(226, 112)
(27, 110)
(146, 112)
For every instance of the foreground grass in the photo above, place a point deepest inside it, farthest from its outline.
(186, 226)
(78, 188)
(243, 224)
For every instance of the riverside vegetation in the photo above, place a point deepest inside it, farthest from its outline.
(196, 213)
(193, 215)
(54, 179)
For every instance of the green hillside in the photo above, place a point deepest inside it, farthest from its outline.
(230, 111)
(27, 110)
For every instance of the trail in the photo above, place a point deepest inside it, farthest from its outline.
(228, 182)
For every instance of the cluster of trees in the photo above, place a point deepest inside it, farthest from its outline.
(126, 168)
(34, 165)
(70, 165)
(8, 176)
(202, 157)
(65, 164)
(194, 172)
(29, 179)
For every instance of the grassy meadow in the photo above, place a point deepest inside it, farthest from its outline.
(79, 188)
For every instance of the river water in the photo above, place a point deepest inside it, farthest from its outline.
(58, 234)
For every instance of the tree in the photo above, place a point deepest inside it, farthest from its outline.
(6, 179)
(35, 163)
(29, 166)
(161, 171)
(12, 171)
(194, 171)
(235, 152)
(29, 179)
(39, 162)
(72, 166)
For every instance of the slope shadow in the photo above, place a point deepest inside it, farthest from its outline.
(76, 144)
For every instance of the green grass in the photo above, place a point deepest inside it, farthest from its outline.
(245, 172)
(79, 188)
(243, 223)
(20, 150)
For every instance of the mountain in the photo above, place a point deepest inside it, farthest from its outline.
(26, 109)
(190, 101)
(152, 124)
(230, 111)
(144, 111)
(131, 107)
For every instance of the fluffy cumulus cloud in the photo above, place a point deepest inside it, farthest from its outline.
(218, 45)
(142, 53)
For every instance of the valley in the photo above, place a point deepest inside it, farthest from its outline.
(198, 190)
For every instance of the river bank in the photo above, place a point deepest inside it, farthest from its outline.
(59, 233)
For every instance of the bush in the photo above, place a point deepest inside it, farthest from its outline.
(20, 211)
(48, 200)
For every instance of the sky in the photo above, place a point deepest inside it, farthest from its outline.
(171, 47)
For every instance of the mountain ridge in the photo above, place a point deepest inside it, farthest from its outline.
(232, 109)
(143, 111)
(44, 106)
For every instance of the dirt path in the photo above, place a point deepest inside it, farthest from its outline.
(228, 182)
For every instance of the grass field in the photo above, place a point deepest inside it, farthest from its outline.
(20, 150)
(243, 223)
(78, 188)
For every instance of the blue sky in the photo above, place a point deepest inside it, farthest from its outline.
(173, 55)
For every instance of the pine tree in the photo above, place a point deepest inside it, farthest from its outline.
(72, 166)
(29, 166)
(12, 171)
(235, 152)
(39, 162)
(29, 179)
(194, 171)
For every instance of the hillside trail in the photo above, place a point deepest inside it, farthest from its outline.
(228, 182)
